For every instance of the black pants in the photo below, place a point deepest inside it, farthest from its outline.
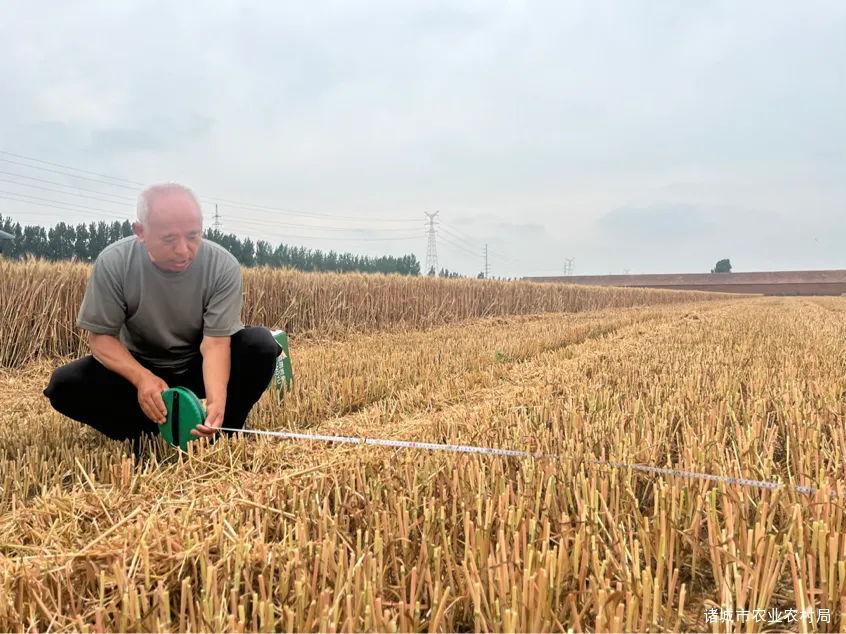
(88, 392)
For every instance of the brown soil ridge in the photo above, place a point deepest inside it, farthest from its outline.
(814, 282)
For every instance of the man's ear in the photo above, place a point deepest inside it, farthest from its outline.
(138, 228)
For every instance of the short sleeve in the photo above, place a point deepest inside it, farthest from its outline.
(103, 309)
(222, 317)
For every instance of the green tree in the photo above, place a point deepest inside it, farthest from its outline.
(85, 242)
(450, 274)
(248, 253)
(35, 241)
(80, 245)
(264, 253)
(723, 266)
(61, 240)
(98, 239)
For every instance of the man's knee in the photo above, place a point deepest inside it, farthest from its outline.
(258, 346)
(79, 383)
(87, 392)
(64, 383)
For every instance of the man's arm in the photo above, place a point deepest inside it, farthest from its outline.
(216, 368)
(221, 320)
(102, 314)
(109, 351)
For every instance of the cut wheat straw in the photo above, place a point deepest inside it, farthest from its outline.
(255, 534)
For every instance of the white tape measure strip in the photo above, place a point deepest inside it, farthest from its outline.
(406, 444)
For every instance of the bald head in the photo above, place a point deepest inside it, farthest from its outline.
(178, 199)
(170, 225)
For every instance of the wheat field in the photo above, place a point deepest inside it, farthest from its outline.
(39, 303)
(262, 534)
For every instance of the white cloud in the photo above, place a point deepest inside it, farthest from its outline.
(545, 115)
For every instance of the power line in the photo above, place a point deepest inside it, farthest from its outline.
(50, 200)
(287, 236)
(82, 189)
(209, 199)
(105, 213)
(101, 213)
(478, 245)
(217, 216)
(267, 231)
(475, 254)
(69, 207)
(285, 212)
(58, 191)
(460, 232)
(275, 224)
(75, 169)
(46, 169)
(473, 243)
(64, 207)
(493, 255)
(125, 183)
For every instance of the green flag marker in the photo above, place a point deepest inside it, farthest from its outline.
(283, 377)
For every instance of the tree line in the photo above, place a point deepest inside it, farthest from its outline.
(85, 242)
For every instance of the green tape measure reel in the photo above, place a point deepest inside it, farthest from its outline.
(184, 412)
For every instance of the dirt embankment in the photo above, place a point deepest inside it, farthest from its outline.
(827, 282)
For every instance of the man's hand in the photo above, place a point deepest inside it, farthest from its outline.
(150, 399)
(214, 420)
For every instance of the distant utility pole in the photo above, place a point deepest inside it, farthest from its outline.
(216, 219)
(626, 271)
(568, 267)
(431, 246)
(487, 270)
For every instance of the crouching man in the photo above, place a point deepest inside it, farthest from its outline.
(163, 309)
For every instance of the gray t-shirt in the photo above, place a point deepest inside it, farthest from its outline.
(161, 317)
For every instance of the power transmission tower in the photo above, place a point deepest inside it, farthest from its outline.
(487, 270)
(216, 219)
(431, 246)
(568, 267)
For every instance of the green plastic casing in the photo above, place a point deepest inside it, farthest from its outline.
(283, 376)
(184, 412)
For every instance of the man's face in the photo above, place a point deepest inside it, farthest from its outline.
(172, 232)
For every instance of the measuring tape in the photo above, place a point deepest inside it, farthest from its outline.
(186, 412)
(406, 444)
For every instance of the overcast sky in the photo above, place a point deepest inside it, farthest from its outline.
(650, 136)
